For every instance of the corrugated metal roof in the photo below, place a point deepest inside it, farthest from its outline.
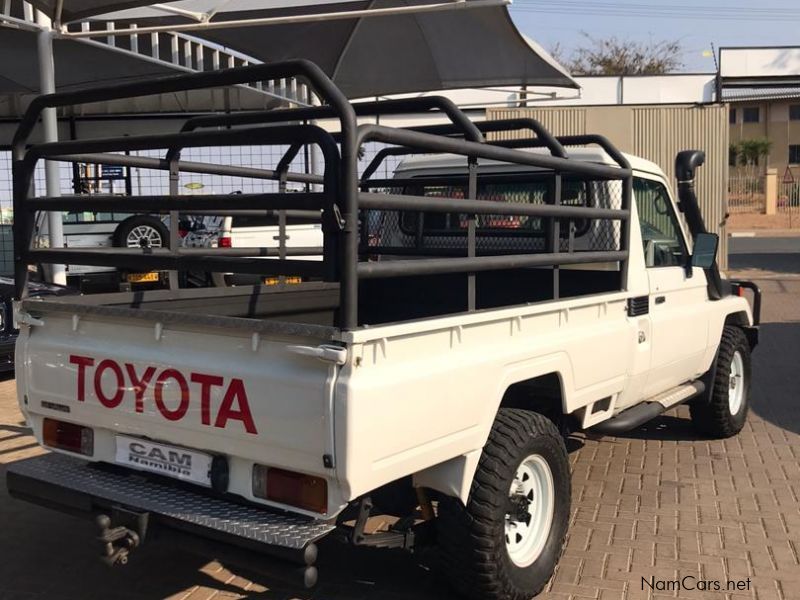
(743, 94)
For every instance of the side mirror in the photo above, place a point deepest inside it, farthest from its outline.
(705, 250)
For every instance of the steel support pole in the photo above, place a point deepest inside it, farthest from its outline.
(315, 158)
(47, 85)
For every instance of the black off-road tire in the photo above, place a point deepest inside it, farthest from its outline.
(120, 236)
(711, 414)
(472, 539)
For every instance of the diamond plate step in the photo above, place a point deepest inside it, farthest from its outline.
(280, 529)
(679, 394)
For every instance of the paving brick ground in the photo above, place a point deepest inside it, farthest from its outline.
(659, 503)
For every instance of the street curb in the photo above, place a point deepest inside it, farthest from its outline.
(765, 233)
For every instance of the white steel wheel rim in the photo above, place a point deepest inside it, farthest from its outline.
(534, 482)
(144, 236)
(736, 384)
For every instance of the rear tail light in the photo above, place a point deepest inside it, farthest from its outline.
(68, 436)
(225, 242)
(739, 290)
(287, 487)
(183, 233)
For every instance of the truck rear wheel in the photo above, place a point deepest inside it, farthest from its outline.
(505, 543)
(723, 412)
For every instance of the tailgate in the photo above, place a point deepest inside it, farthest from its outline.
(247, 396)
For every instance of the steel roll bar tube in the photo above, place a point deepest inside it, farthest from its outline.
(23, 172)
(544, 137)
(437, 266)
(147, 162)
(322, 85)
(164, 259)
(485, 207)
(540, 141)
(437, 144)
(319, 82)
(459, 121)
(310, 201)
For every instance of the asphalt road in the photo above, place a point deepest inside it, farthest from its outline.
(759, 255)
(764, 245)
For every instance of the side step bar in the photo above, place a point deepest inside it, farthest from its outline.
(76, 486)
(641, 413)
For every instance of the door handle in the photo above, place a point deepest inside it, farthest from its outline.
(661, 299)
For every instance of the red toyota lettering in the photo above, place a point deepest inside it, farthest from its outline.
(183, 406)
(119, 384)
(206, 382)
(151, 384)
(82, 362)
(235, 393)
(139, 384)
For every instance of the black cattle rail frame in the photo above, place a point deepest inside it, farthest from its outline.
(341, 197)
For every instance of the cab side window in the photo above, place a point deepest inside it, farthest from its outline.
(661, 233)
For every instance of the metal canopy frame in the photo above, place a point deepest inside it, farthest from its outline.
(343, 198)
(205, 22)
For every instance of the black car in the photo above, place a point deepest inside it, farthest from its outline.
(8, 334)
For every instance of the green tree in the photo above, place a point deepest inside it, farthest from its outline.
(752, 151)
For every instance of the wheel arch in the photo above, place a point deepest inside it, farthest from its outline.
(520, 388)
(743, 321)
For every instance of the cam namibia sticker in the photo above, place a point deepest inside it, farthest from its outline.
(179, 463)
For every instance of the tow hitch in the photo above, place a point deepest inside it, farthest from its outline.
(120, 534)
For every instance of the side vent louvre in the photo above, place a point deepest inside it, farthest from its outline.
(638, 306)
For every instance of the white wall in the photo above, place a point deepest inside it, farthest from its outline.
(595, 91)
(759, 62)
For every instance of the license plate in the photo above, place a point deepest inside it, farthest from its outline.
(142, 277)
(172, 461)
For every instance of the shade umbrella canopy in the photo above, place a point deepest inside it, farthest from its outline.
(67, 11)
(404, 53)
(76, 64)
(366, 56)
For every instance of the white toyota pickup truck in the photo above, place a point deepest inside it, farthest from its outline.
(467, 313)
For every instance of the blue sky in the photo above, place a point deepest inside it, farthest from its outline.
(696, 25)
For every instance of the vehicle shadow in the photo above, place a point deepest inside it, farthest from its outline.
(776, 386)
(774, 390)
(160, 570)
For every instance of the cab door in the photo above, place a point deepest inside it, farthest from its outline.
(678, 298)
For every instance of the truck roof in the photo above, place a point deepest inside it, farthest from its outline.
(451, 162)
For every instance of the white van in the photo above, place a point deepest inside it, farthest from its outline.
(264, 232)
(93, 229)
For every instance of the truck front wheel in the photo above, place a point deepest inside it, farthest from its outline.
(505, 543)
(723, 412)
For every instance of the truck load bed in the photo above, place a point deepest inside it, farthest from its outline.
(505, 275)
